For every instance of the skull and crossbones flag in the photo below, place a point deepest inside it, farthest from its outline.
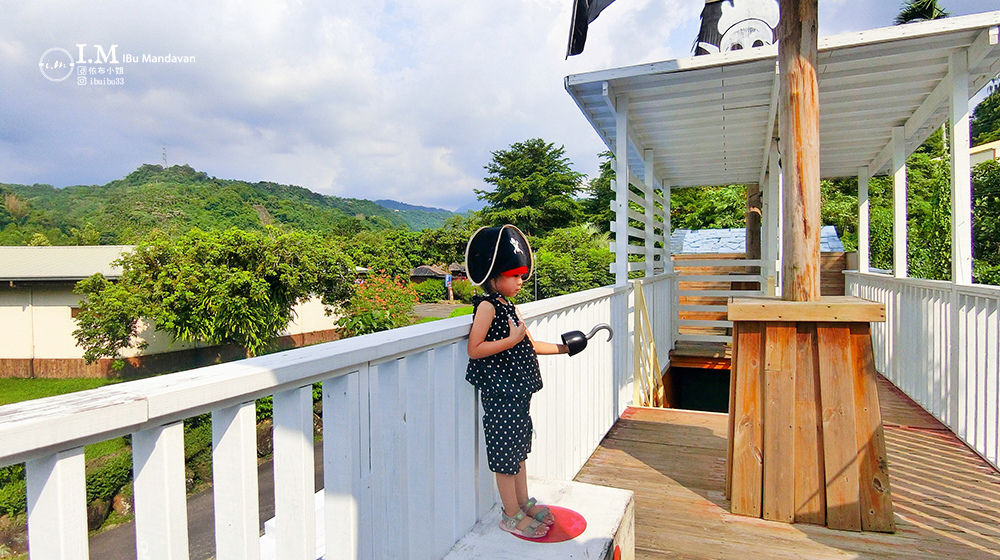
(584, 12)
(732, 25)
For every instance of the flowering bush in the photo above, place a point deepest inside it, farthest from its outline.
(379, 303)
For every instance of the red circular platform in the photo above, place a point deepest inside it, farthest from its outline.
(569, 525)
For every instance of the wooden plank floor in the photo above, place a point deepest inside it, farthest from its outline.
(946, 498)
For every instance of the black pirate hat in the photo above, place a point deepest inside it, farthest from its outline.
(497, 250)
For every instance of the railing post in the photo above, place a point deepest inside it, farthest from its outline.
(294, 471)
(57, 505)
(160, 493)
(234, 481)
(340, 446)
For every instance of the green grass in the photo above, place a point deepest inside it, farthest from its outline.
(17, 390)
(465, 310)
(102, 448)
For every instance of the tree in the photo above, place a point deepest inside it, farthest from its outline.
(571, 260)
(533, 188)
(708, 207)
(231, 287)
(919, 10)
(597, 206)
(985, 123)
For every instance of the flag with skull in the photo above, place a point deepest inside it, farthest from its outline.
(731, 25)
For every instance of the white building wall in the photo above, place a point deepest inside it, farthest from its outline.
(37, 322)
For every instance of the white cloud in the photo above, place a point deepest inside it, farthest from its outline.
(372, 99)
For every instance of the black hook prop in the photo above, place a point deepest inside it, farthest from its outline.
(576, 341)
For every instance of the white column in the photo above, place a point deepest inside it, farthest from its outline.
(234, 476)
(160, 493)
(57, 506)
(668, 266)
(621, 191)
(649, 243)
(294, 504)
(775, 216)
(899, 265)
(961, 172)
(863, 228)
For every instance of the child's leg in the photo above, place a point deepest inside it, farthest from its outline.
(521, 491)
(507, 485)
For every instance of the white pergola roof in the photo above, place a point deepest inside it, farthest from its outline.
(709, 120)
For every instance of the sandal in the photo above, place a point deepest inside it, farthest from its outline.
(544, 514)
(509, 524)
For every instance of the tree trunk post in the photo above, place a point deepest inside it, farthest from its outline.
(799, 131)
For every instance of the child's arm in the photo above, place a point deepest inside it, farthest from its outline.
(478, 346)
(544, 348)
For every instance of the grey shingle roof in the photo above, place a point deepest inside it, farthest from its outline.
(712, 241)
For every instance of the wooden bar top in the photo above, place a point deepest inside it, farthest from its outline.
(829, 309)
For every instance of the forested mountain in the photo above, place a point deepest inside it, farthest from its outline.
(179, 198)
(417, 217)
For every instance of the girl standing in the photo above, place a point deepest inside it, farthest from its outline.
(503, 365)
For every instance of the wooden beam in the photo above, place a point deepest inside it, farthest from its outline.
(840, 452)
(799, 125)
(747, 428)
(828, 309)
(779, 421)
(810, 499)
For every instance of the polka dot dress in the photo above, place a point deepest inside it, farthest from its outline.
(506, 381)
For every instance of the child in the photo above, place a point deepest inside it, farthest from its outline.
(504, 367)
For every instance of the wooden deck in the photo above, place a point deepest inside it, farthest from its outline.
(946, 498)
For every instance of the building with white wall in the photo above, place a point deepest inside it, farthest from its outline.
(38, 306)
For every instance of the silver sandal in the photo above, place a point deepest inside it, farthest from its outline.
(509, 524)
(542, 514)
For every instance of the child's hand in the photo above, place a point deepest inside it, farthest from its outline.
(517, 330)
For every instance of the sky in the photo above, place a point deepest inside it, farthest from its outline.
(367, 99)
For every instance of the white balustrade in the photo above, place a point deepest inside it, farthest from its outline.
(405, 471)
(940, 345)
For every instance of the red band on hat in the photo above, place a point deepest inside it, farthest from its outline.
(516, 271)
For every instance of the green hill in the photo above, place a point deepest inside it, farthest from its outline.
(179, 198)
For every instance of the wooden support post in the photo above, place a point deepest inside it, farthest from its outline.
(899, 261)
(806, 440)
(649, 242)
(863, 244)
(621, 191)
(799, 138)
(961, 172)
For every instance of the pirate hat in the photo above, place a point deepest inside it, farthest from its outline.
(497, 250)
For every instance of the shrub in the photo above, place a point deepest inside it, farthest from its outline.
(430, 291)
(379, 303)
(106, 480)
(463, 290)
(14, 498)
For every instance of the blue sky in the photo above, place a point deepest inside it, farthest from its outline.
(368, 99)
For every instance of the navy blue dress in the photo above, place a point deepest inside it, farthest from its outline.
(506, 380)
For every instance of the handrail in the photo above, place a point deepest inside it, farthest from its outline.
(940, 345)
(401, 437)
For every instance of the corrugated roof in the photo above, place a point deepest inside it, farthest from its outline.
(733, 240)
(65, 263)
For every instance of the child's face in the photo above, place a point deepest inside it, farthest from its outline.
(508, 286)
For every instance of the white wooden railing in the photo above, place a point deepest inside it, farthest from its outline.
(405, 471)
(940, 345)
